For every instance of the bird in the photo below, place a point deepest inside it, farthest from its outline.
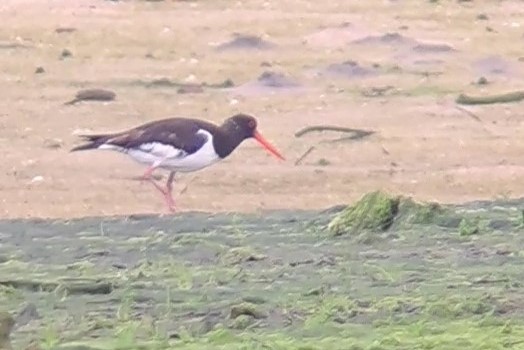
(179, 144)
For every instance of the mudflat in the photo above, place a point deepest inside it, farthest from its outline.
(88, 260)
(394, 68)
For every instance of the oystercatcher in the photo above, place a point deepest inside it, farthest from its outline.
(179, 145)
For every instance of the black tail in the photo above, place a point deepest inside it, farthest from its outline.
(95, 141)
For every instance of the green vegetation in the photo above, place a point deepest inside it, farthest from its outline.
(392, 273)
(377, 212)
(468, 227)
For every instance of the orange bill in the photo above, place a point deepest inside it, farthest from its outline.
(267, 145)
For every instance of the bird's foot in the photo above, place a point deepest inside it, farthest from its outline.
(170, 202)
(166, 191)
(168, 197)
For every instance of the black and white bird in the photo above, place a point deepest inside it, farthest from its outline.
(179, 145)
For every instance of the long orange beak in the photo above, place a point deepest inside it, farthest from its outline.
(267, 145)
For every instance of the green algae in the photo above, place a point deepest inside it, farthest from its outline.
(270, 282)
(375, 211)
(378, 211)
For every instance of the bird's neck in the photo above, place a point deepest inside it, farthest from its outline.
(226, 139)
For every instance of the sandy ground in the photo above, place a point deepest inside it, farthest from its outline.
(423, 146)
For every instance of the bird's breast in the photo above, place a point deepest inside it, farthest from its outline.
(203, 157)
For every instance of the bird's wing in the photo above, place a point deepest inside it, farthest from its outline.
(167, 139)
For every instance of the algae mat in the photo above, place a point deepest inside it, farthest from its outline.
(272, 281)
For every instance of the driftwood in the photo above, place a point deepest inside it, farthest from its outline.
(358, 133)
(186, 187)
(475, 117)
(168, 83)
(304, 155)
(508, 97)
(468, 112)
(72, 287)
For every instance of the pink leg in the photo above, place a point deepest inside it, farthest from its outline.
(167, 192)
(148, 173)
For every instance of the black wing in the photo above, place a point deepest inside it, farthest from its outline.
(182, 134)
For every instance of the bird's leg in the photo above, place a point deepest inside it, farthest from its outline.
(149, 172)
(169, 192)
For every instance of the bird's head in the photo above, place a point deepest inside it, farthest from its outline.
(246, 126)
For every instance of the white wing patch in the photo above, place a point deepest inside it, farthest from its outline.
(161, 150)
(111, 147)
(171, 158)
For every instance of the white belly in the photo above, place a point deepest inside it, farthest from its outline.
(204, 157)
(171, 158)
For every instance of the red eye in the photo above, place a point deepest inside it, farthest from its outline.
(252, 124)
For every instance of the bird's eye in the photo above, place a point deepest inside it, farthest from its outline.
(251, 124)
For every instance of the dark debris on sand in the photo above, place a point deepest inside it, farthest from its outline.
(245, 42)
(92, 95)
